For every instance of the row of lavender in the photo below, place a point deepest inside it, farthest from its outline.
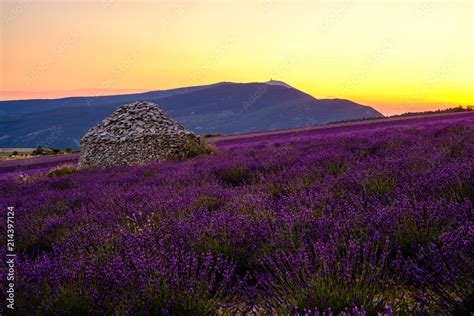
(316, 132)
(374, 222)
(31, 166)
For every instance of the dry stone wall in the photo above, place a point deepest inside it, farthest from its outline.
(134, 134)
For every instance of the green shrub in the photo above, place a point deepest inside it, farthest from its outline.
(62, 170)
(336, 167)
(196, 147)
(35, 245)
(44, 151)
(378, 184)
(38, 151)
(23, 177)
(331, 282)
(213, 135)
(276, 190)
(234, 176)
(210, 202)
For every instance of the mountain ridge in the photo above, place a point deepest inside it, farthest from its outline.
(272, 82)
(224, 107)
(12, 106)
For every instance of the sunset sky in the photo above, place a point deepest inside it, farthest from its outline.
(397, 56)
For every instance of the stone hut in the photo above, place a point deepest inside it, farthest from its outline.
(135, 133)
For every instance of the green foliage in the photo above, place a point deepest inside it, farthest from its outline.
(336, 167)
(177, 301)
(458, 189)
(38, 244)
(234, 176)
(213, 135)
(70, 299)
(411, 236)
(62, 171)
(44, 151)
(197, 147)
(359, 284)
(210, 202)
(454, 150)
(276, 190)
(26, 178)
(378, 184)
(68, 150)
(37, 151)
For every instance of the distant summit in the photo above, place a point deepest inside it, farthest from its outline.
(278, 83)
(225, 108)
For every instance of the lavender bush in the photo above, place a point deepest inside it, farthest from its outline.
(354, 222)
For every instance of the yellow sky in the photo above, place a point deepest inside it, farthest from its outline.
(397, 56)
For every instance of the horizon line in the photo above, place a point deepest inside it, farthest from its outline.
(98, 92)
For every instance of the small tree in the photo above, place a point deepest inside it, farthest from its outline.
(37, 151)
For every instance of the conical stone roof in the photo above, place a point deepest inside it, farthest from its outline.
(135, 133)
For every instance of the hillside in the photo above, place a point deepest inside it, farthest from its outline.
(15, 167)
(228, 108)
(38, 105)
(369, 221)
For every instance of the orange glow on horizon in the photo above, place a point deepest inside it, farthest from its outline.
(394, 55)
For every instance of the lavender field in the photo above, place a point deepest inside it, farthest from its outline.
(354, 221)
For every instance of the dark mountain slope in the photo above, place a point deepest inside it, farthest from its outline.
(37, 105)
(237, 108)
(228, 108)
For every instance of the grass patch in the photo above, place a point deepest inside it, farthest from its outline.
(26, 178)
(336, 167)
(196, 148)
(62, 170)
(234, 176)
(210, 202)
(378, 184)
